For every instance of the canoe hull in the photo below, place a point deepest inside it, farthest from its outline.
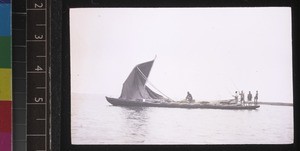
(122, 102)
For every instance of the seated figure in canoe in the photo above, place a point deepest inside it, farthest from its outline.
(189, 98)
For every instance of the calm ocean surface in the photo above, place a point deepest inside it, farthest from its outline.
(95, 121)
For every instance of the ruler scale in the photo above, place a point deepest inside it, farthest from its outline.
(37, 129)
(30, 55)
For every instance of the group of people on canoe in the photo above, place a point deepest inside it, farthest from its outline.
(190, 99)
(242, 98)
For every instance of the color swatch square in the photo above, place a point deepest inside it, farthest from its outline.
(5, 85)
(5, 116)
(5, 18)
(5, 125)
(5, 1)
(5, 52)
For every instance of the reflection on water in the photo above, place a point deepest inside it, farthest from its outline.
(136, 121)
(95, 121)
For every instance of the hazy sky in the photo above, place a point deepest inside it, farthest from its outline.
(210, 52)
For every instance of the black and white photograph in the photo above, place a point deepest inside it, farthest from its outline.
(182, 75)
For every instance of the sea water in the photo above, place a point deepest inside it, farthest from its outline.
(95, 121)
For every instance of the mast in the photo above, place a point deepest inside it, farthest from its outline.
(149, 71)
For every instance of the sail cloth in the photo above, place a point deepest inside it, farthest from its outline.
(154, 95)
(134, 86)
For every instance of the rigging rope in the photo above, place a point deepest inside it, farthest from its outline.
(148, 81)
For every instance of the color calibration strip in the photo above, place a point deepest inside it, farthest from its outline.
(5, 77)
(19, 51)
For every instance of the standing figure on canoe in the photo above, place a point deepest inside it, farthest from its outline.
(236, 97)
(242, 98)
(256, 98)
(249, 97)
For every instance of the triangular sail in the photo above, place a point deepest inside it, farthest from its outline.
(134, 86)
(153, 94)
